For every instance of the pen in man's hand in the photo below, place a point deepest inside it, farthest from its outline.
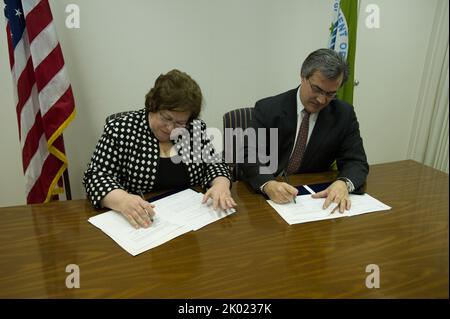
(142, 195)
(287, 181)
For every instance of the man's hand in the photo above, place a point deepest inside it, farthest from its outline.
(335, 193)
(280, 192)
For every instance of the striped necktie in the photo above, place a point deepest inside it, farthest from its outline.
(300, 145)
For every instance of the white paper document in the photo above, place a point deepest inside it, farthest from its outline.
(308, 209)
(174, 215)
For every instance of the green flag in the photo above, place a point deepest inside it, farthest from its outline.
(343, 40)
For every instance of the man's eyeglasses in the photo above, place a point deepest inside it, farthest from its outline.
(317, 90)
(168, 120)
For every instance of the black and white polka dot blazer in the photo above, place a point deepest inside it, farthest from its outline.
(127, 157)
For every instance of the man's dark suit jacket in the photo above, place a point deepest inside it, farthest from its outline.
(335, 137)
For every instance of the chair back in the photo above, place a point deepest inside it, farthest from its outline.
(116, 115)
(237, 118)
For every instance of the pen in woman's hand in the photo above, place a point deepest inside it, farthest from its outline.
(142, 195)
(287, 181)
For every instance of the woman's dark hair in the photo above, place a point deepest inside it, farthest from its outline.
(174, 91)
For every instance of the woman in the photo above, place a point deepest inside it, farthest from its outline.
(136, 153)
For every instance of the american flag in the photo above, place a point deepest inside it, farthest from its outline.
(43, 95)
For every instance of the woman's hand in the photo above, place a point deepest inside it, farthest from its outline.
(220, 194)
(136, 210)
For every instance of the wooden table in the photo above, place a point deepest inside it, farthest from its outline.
(251, 254)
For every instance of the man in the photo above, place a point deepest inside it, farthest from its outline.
(314, 130)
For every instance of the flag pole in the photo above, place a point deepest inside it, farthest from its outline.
(67, 184)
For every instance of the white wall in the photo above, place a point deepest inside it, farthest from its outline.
(389, 66)
(238, 50)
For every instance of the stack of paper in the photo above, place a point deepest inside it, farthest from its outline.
(174, 215)
(308, 209)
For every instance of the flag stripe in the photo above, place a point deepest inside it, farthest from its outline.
(24, 87)
(28, 5)
(32, 141)
(21, 56)
(53, 118)
(53, 91)
(37, 18)
(24, 84)
(28, 115)
(34, 167)
(43, 44)
(51, 65)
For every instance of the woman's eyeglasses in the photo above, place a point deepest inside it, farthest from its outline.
(168, 120)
